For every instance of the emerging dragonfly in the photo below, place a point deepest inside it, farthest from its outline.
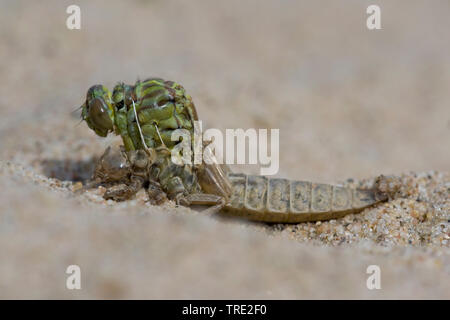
(145, 116)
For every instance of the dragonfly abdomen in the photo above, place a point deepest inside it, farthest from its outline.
(281, 200)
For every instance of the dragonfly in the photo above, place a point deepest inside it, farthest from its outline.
(146, 114)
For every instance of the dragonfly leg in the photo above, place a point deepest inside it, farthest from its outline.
(122, 192)
(216, 202)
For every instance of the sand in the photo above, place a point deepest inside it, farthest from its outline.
(350, 104)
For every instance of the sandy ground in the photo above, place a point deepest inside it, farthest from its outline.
(349, 103)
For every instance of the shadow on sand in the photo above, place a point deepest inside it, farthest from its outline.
(69, 170)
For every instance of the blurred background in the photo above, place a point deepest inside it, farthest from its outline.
(349, 103)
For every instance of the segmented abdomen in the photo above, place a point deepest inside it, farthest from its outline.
(280, 200)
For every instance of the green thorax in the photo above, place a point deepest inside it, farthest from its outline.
(160, 105)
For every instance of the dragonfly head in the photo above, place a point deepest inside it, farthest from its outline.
(98, 110)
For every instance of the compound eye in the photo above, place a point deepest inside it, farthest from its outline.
(98, 113)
